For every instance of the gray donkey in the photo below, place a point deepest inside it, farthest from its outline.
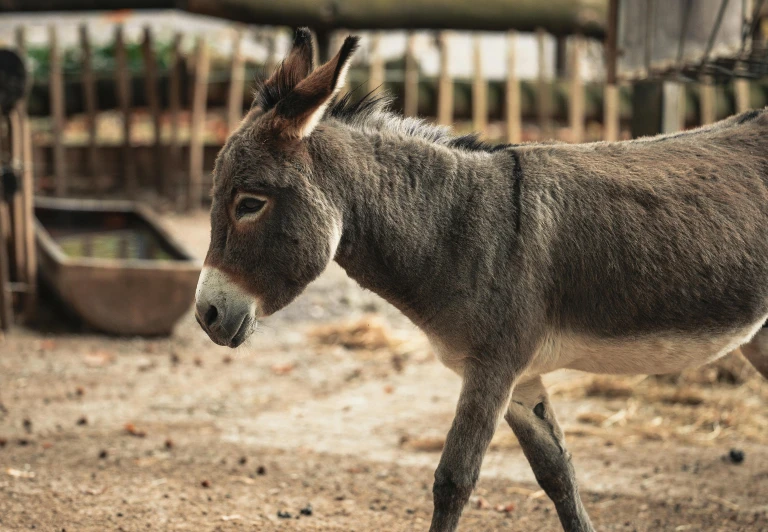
(647, 256)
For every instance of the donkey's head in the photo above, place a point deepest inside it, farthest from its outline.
(273, 230)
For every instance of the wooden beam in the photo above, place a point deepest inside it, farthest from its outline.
(479, 90)
(445, 82)
(123, 81)
(411, 83)
(27, 193)
(196, 140)
(153, 101)
(236, 82)
(56, 88)
(90, 105)
(576, 96)
(512, 93)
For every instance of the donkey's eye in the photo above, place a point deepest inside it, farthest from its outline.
(249, 205)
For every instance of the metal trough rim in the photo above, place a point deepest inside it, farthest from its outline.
(187, 263)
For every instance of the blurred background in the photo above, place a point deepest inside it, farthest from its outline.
(117, 412)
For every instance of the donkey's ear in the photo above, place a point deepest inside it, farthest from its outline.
(294, 68)
(297, 114)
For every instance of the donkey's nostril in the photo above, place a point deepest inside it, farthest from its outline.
(210, 316)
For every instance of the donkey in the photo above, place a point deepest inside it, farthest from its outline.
(645, 256)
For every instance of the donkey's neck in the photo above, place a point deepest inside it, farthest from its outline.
(416, 218)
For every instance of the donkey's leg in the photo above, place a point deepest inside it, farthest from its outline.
(756, 351)
(485, 393)
(532, 419)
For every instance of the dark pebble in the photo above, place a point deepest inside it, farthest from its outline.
(736, 456)
(261, 470)
(103, 454)
(82, 421)
(205, 484)
(307, 510)
(284, 515)
(242, 460)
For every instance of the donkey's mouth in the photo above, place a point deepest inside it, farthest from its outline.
(243, 332)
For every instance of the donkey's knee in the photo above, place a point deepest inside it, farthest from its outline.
(756, 351)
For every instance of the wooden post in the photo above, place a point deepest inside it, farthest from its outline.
(123, 81)
(196, 141)
(236, 83)
(611, 91)
(445, 83)
(6, 309)
(153, 100)
(174, 162)
(56, 87)
(708, 102)
(544, 96)
(27, 194)
(576, 104)
(479, 90)
(376, 64)
(271, 63)
(512, 90)
(742, 94)
(17, 205)
(90, 104)
(411, 83)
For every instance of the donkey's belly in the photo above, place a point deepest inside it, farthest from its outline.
(662, 353)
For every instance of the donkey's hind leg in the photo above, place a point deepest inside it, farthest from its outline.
(756, 351)
(532, 419)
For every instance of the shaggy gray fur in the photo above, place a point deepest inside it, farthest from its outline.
(495, 251)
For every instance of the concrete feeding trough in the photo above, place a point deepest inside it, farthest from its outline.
(114, 265)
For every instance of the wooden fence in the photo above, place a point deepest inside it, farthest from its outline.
(178, 171)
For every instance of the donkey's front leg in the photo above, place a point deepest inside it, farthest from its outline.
(532, 419)
(485, 393)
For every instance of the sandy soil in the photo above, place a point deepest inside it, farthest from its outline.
(338, 408)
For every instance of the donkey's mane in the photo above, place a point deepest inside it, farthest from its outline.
(373, 112)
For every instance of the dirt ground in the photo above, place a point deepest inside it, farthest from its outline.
(332, 418)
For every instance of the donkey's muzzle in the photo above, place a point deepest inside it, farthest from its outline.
(223, 311)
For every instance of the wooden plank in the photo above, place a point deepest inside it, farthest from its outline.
(6, 309)
(445, 83)
(411, 83)
(89, 104)
(27, 193)
(479, 90)
(123, 81)
(196, 141)
(707, 102)
(611, 92)
(376, 71)
(153, 101)
(512, 93)
(236, 82)
(544, 89)
(611, 112)
(576, 91)
(174, 163)
(56, 88)
(17, 205)
(741, 93)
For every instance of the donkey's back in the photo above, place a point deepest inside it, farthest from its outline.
(657, 248)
